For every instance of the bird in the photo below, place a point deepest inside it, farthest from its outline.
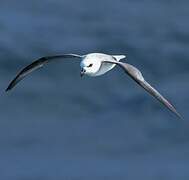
(96, 64)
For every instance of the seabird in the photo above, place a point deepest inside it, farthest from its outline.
(96, 64)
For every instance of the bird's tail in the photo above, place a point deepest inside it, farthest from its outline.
(119, 57)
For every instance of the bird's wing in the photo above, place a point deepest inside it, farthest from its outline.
(136, 75)
(36, 65)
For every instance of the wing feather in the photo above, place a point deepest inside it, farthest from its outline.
(36, 65)
(137, 76)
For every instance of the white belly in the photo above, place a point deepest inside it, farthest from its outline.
(105, 67)
(99, 66)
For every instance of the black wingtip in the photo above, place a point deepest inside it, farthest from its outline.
(176, 112)
(8, 89)
(10, 86)
(173, 109)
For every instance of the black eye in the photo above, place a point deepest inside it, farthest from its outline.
(90, 65)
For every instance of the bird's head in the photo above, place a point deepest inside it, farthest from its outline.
(89, 66)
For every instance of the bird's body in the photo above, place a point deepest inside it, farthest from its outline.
(98, 67)
(96, 64)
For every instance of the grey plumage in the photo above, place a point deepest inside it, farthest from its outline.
(137, 76)
(95, 64)
(36, 65)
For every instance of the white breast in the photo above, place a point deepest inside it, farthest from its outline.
(105, 67)
(99, 67)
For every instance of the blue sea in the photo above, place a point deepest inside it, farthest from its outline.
(56, 125)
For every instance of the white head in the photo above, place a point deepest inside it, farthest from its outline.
(90, 65)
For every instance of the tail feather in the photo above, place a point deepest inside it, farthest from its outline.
(119, 57)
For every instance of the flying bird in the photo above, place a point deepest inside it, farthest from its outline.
(96, 64)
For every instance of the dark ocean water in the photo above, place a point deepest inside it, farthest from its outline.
(55, 125)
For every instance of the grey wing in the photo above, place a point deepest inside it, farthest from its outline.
(36, 65)
(136, 75)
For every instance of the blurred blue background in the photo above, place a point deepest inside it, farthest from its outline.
(55, 125)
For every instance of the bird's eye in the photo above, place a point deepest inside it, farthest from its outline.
(90, 65)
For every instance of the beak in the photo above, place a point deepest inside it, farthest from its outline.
(82, 72)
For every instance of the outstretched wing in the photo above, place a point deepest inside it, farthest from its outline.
(36, 65)
(136, 75)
